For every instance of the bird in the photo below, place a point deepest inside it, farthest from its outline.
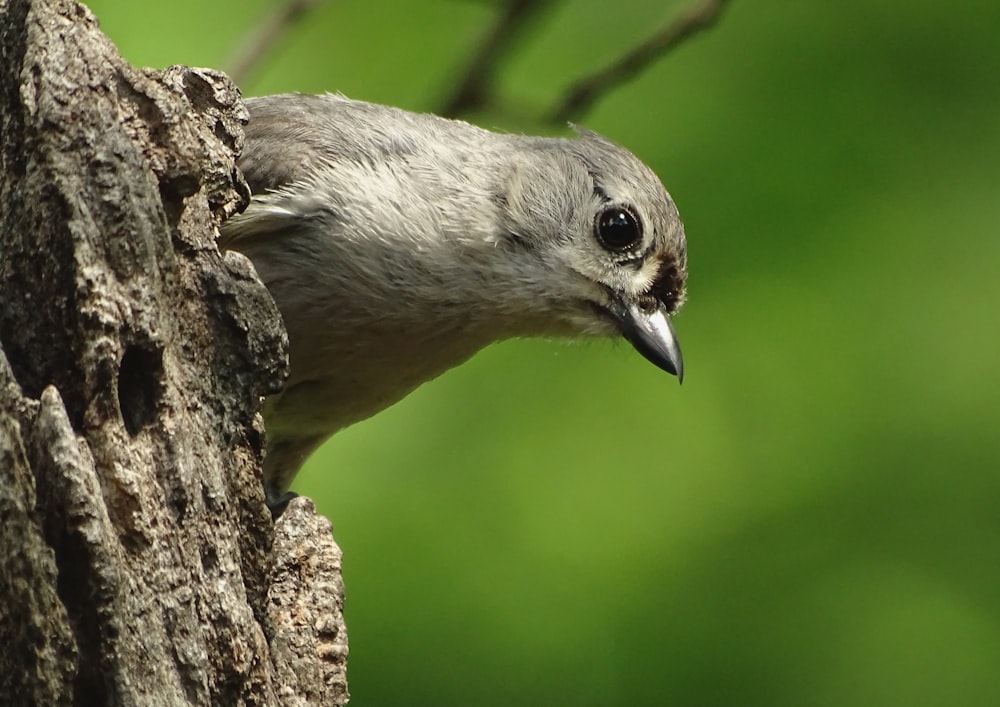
(398, 244)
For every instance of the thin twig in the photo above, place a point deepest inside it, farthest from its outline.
(262, 39)
(475, 86)
(582, 95)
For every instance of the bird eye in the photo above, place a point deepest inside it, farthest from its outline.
(617, 229)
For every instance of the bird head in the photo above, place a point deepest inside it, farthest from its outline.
(607, 232)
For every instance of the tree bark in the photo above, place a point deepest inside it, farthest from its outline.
(138, 562)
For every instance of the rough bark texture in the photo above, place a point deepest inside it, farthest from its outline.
(138, 563)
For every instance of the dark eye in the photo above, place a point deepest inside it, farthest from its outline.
(617, 229)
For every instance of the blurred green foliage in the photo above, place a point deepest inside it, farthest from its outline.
(812, 518)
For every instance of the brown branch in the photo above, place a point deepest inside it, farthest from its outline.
(582, 95)
(138, 563)
(475, 86)
(262, 39)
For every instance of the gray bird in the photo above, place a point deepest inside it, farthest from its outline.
(396, 245)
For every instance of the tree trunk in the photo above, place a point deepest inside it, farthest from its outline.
(138, 562)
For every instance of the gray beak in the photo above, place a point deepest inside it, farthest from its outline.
(652, 335)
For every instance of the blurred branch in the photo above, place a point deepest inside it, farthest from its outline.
(582, 95)
(475, 87)
(262, 39)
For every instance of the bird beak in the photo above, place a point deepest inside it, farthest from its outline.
(652, 335)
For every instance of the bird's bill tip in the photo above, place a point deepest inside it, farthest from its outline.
(652, 335)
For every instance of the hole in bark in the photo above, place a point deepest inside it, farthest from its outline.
(177, 499)
(209, 559)
(76, 565)
(139, 386)
(178, 187)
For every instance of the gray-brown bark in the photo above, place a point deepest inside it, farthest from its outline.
(138, 563)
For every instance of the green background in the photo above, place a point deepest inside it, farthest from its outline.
(812, 518)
